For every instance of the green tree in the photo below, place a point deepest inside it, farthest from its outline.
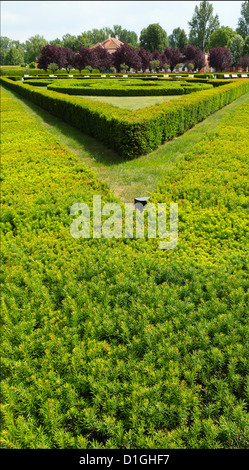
(182, 40)
(246, 46)
(53, 67)
(124, 67)
(5, 44)
(178, 38)
(70, 42)
(220, 37)
(154, 64)
(202, 25)
(243, 22)
(98, 35)
(85, 39)
(130, 37)
(14, 56)
(32, 65)
(190, 66)
(154, 38)
(33, 47)
(236, 46)
(18, 44)
(89, 38)
(56, 42)
(116, 29)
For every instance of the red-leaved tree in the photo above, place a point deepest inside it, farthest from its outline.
(244, 61)
(173, 56)
(52, 54)
(102, 59)
(220, 58)
(126, 54)
(146, 57)
(69, 58)
(194, 55)
(85, 57)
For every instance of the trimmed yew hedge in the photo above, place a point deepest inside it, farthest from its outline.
(121, 87)
(132, 133)
(39, 82)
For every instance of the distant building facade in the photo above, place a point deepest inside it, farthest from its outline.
(110, 44)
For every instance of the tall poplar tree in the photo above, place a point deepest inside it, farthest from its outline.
(243, 23)
(202, 25)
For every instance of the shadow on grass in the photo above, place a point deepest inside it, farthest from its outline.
(73, 137)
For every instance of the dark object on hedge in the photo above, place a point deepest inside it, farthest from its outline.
(140, 202)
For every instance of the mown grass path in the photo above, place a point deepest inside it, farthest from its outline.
(127, 179)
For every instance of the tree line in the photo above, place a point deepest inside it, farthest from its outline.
(125, 57)
(205, 33)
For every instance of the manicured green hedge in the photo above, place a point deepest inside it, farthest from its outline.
(43, 77)
(12, 71)
(14, 78)
(122, 87)
(129, 133)
(39, 82)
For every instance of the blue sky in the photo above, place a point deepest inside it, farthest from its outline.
(52, 19)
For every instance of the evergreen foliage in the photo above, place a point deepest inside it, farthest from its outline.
(114, 343)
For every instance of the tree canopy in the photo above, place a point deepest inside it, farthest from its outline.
(14, 56)
(236, 46)
(126, 55)
(220, 37)
(178, 39)
(154, 38)
(202, 25)
(246, 46)
(33, 47)
(243, 22)
(193, 55)
(220, 58)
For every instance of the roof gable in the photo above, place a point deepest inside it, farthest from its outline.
(110, 44)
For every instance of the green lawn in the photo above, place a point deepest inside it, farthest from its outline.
(131, 102)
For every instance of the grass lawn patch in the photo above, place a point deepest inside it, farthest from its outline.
(132, 102)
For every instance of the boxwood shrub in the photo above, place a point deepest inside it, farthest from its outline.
(133, 133)
(122, 87)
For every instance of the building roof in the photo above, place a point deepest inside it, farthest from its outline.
(110, 44)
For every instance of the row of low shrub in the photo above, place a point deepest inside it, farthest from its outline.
(100, 84)
(132, 133)
(133, 87)
(40, 82)
(12, 71)
(21, 71)
(215, 82)
(136, 76)
(104, 83)
(14, 78)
